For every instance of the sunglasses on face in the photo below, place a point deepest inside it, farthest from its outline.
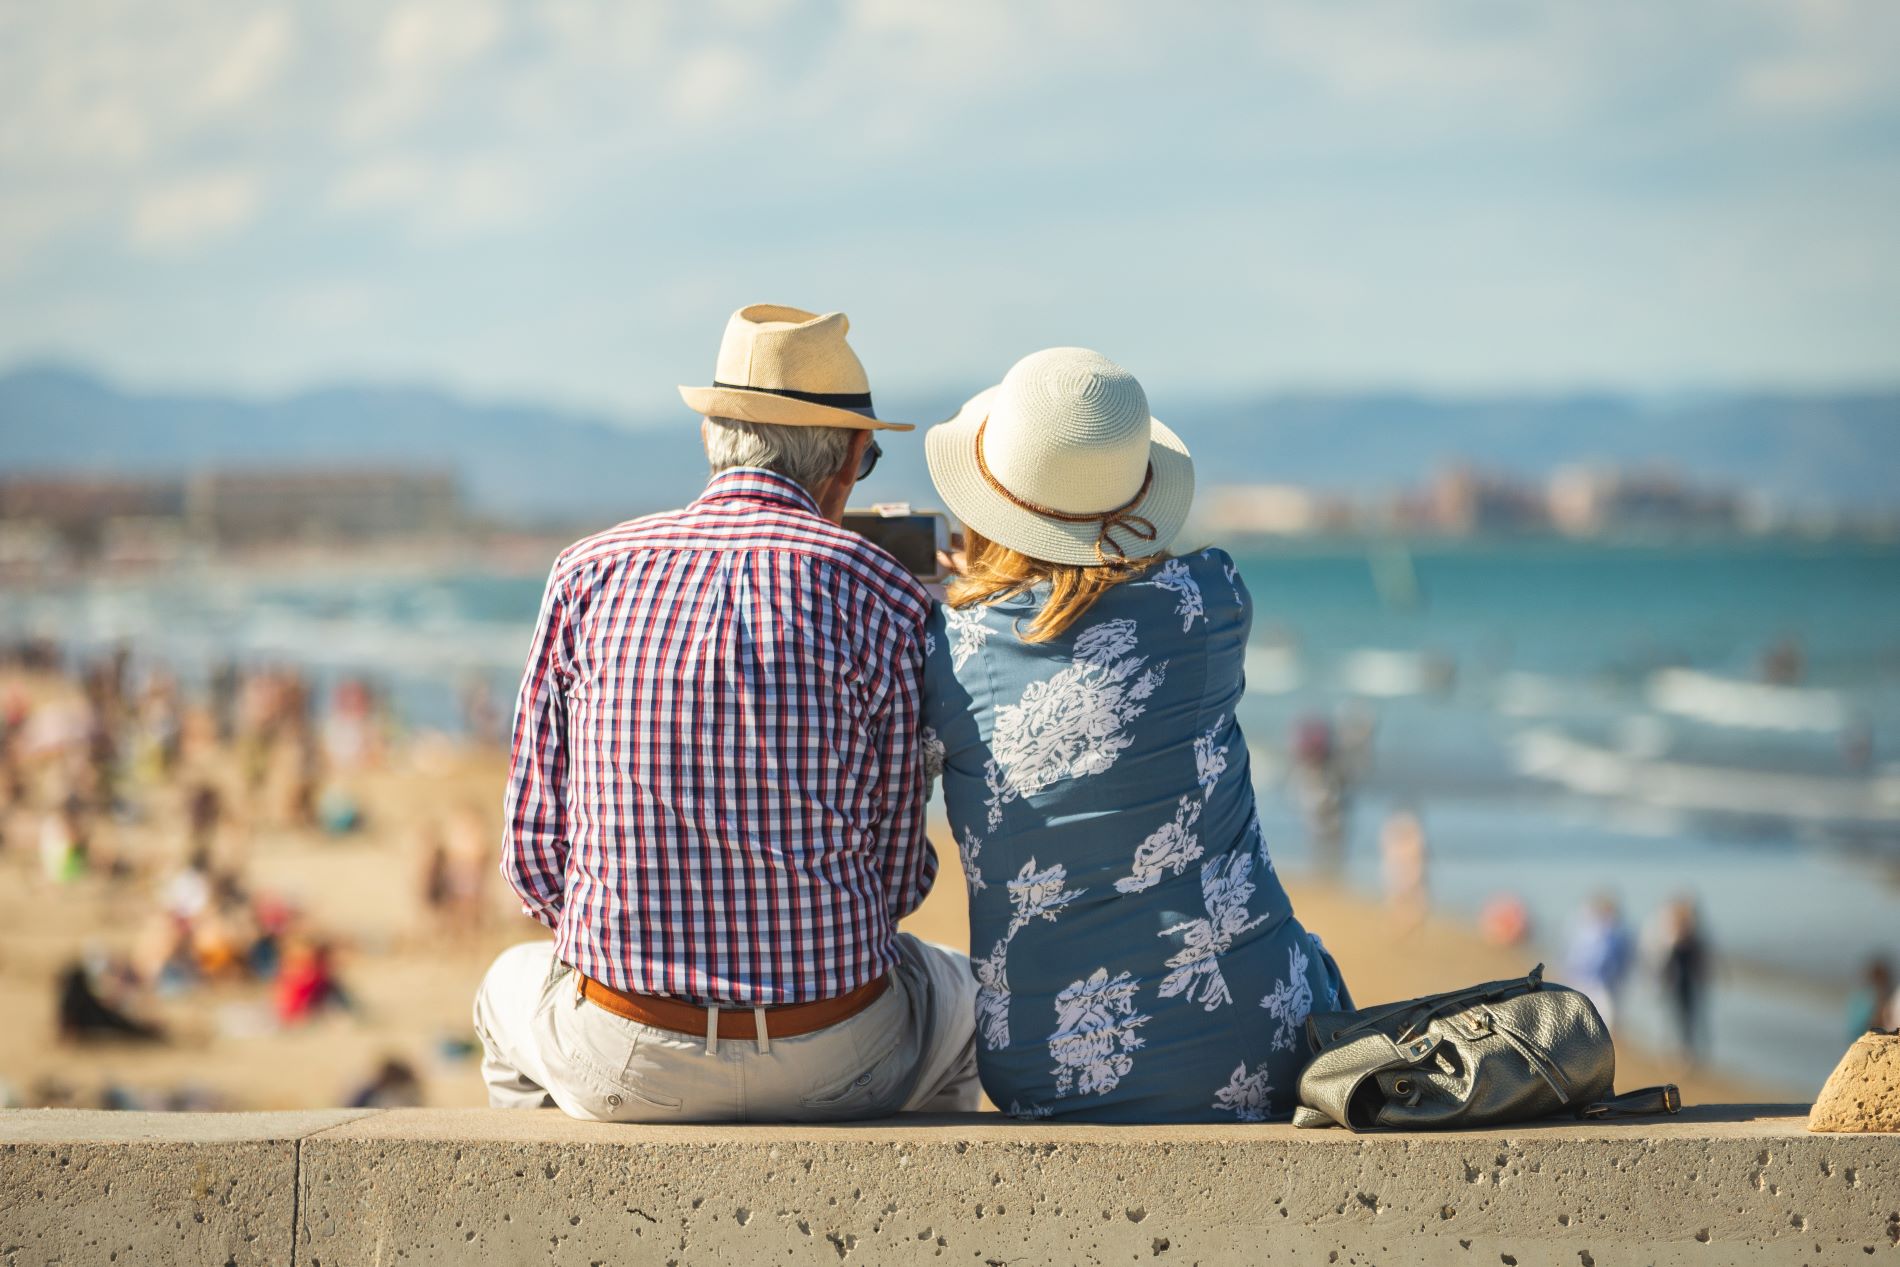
(868, 462)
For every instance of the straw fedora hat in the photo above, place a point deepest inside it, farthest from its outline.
(1062, 462)
(790, 367)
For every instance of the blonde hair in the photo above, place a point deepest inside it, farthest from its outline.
(993, 572)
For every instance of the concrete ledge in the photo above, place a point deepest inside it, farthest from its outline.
(1716, 1185)
(80, 1187)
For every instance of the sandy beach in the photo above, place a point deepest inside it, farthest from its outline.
(411, 983)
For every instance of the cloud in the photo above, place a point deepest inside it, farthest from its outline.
(386, 184)
(711, 84)
(1831, 57)
(333, 304)
(1335, 155)
(251, 62)
(186, 212)
(441, 200)
(424, 49)
(437, 36)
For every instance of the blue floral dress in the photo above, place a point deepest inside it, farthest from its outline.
(1136, 956)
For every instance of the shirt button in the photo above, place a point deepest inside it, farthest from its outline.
(864, 1080)
(613, 1101)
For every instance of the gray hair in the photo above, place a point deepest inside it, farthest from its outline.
(810, 455)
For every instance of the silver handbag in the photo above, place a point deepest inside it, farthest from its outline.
(1506, 1051)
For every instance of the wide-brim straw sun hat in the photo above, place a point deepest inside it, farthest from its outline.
(788, 367)
(1061, 461)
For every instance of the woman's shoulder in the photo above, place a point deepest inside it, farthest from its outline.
(1211, 564)
(1200, 587)
(956, 634)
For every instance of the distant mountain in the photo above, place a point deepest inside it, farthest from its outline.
(1840, 450)
(525, 462)
(513, 461)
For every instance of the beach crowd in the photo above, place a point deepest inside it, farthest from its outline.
(120, 783)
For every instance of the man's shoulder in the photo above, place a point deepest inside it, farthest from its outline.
(623, 538)
(863, 561)
(853, 562)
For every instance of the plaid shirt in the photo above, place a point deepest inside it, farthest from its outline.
(716, 790)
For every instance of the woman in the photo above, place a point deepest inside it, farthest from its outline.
(1137, 958)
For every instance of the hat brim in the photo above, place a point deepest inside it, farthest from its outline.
(950, 450)
(783, 411)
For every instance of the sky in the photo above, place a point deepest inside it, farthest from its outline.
(563, 200)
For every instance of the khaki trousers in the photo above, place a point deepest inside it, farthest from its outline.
(913, 1050)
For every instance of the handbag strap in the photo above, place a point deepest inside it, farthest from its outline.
(1642, 1103)
(1419, 1011)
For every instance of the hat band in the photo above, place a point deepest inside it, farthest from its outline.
(856, 402)
(1105, 520)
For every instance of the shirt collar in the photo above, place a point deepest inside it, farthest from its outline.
(751, 483)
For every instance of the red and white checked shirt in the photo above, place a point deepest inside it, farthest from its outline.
(716, 790)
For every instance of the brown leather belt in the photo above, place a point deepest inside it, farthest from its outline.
(787, 1020)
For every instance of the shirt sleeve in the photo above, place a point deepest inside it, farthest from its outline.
(910, 864)
(534, 847)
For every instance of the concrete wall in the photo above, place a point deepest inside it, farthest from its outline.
(151, 1187)
(1714, 1186)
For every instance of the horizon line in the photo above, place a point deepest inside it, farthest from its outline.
(145, 386)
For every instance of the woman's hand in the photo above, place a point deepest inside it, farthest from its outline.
(953, 561)
(950, 563)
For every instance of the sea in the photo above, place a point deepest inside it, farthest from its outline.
(1717, 720)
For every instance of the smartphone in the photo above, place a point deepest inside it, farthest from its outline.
(912, 537)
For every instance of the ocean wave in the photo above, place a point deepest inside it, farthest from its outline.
(423, 648)
(1749, 705)
(1273, 670)
(1591, 769)
(1389, 674)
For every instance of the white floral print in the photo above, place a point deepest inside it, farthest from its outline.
(1072, 724)
(968, 632)
(1176, 576)
(1095, 1032)
(1291, 1000)
(1245, 1095)
(970, 847)
(933, 750)
(1210, 759)
(999, 790)
(992, 996)
(1037, 894)
(930, 644)
(1233, 581)
(1170, 847)
(1258, 834)
(1226, 888)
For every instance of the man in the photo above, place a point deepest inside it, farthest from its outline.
(717, 793)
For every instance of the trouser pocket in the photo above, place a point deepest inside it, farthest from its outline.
(599, 1055)
(876, 1082)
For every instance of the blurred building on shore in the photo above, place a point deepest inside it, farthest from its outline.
(266, 507)
(1465, 500)
(1273, 510)
(54, 522)
(1587, 501)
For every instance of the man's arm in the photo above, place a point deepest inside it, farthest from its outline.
(910, 864)
(534, 847)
